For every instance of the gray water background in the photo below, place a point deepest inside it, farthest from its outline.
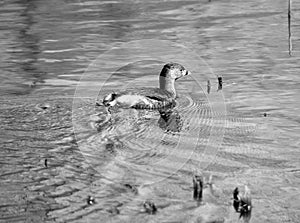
(46, 46)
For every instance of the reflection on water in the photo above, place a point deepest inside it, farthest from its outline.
(170, 121)
(47, 45)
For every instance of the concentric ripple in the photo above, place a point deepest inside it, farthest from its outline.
(151, 145)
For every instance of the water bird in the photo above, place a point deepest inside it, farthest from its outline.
(242, 203)
(150, 98)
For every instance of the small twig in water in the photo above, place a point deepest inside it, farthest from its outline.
(289, 27)
(208, 87)
(220, 81)
(198, 188)
(236, 199)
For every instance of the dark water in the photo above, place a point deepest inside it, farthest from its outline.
(57, 147)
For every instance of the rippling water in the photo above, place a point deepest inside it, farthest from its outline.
(59, 149)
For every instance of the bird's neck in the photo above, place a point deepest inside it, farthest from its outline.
(167, 84)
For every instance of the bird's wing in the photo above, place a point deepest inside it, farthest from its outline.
(151, 93)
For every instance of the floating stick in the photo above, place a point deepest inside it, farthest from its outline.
(220, 83)
(289, 27)
(236, 199)
(198, 188)
(208, 86)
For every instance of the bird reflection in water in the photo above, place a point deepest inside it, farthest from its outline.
(170, 121)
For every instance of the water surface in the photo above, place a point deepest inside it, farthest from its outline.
(48, 172)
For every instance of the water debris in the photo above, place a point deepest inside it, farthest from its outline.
(43, 106)
(98, 103)
(33, 84)
(114, 211)
(242, 203)
(46, 163)
(220, 83)
(132, 188)
(90, 200)
(150, 207)
(236, 199)
(198, 188)
(208, 86)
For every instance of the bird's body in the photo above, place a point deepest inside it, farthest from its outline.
(150, 98)
(142, 98)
